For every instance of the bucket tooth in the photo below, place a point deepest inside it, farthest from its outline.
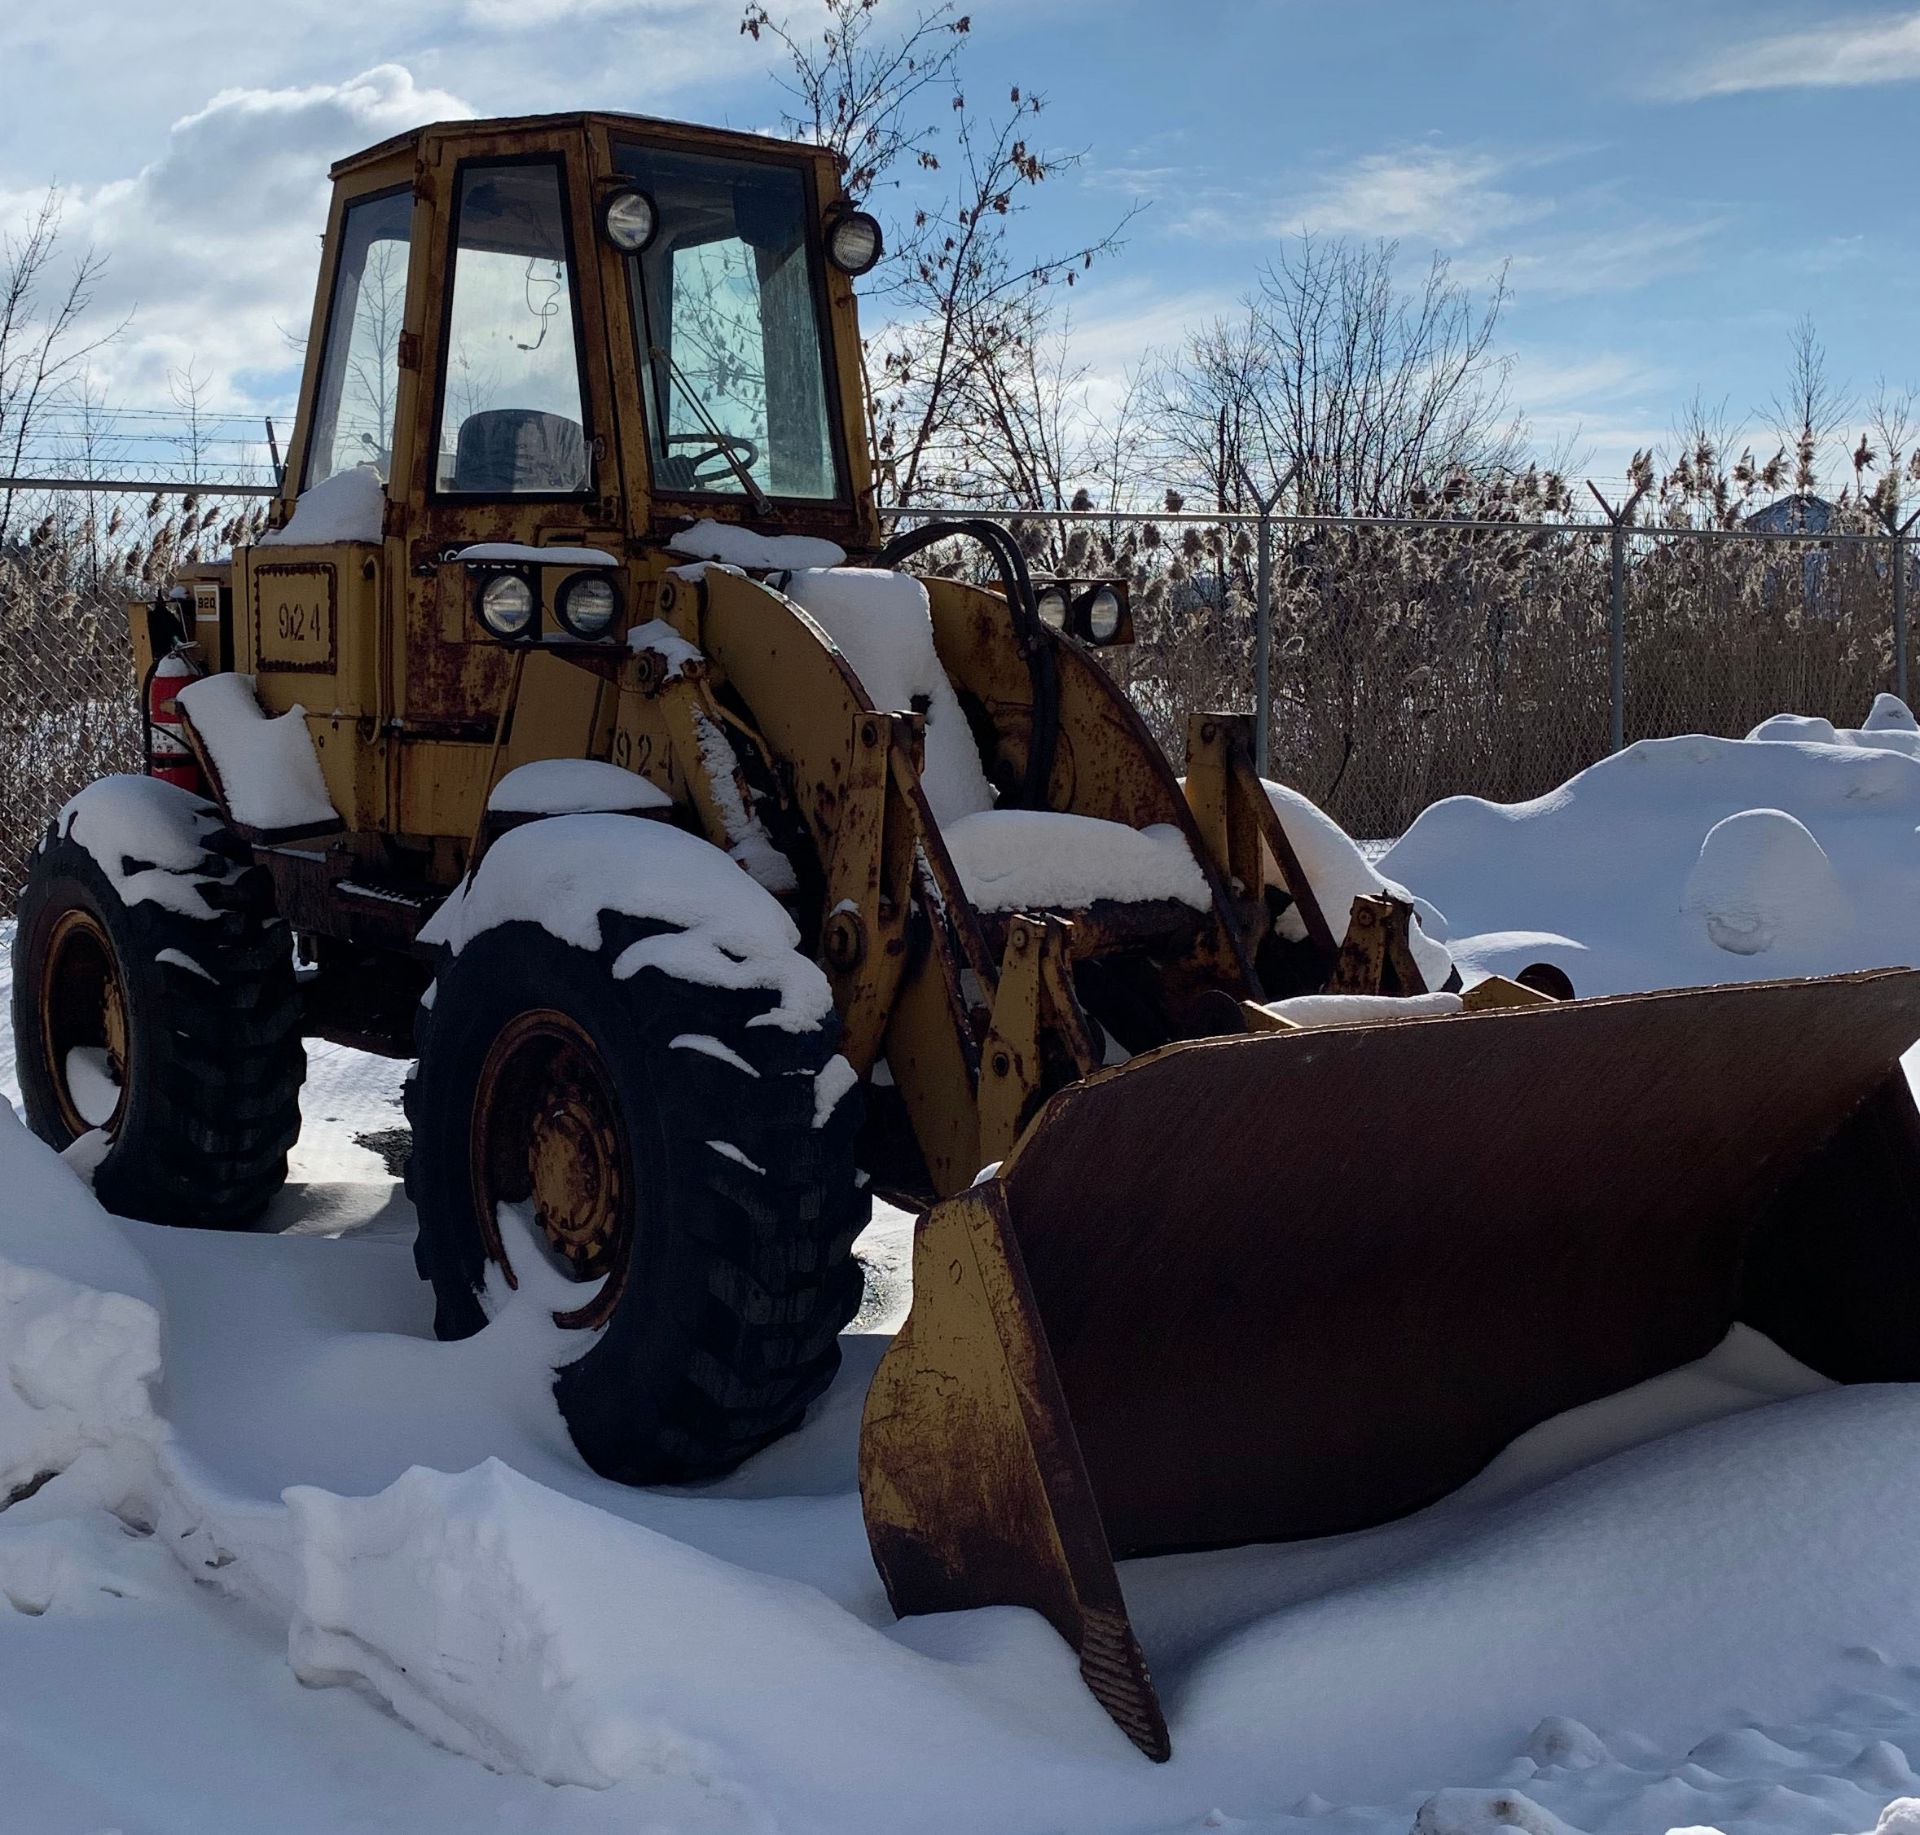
(970, 1475)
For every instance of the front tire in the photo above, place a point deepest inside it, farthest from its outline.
(689, 1168)
(168, 1020)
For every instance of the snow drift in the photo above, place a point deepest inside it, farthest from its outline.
(1690, 860)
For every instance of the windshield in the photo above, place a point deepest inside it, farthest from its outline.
(726, 309)
(511, 419)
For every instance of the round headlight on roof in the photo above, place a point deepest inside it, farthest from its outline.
(506, 605)
(1051, 603)
(853, 242)
(586, 605)
(628, 219)
(1103, 615)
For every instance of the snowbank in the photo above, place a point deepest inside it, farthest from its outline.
(268, 769)
(79, 1334)
(1010, 858)
(1762, 881)
(728, 543)
(1888, 727)
(1609, 1630)
(564, 872)
(882, 624)
(350, 506)
(1632, 875)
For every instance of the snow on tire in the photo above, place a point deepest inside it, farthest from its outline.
(655, 1108)
(154, 1006)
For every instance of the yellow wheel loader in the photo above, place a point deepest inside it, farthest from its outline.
(575, 731)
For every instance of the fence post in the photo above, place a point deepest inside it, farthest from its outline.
(1263, 617)
(1620, 519)
(1899, 534)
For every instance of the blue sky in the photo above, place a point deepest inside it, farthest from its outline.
(1670, 186)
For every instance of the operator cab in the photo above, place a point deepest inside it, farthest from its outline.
(632, 316)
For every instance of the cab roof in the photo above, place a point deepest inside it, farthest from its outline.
(506, 126)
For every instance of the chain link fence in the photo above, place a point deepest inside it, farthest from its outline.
(1408, 660)
(70, 560)
(1411, 660)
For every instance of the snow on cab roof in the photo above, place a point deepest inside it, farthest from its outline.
(577, 118)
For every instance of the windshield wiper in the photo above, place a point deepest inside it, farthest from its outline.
(761, 501)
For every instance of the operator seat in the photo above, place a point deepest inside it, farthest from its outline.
(502, 451)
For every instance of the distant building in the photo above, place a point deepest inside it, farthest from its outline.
(1800, 513)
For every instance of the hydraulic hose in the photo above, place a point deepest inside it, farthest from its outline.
(1035, 640)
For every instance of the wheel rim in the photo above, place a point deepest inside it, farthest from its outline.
(547, 1130)
(84, 1033)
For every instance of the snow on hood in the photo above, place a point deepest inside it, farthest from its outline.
(1630, 877)
(707, 540)
(351, 506)
(574, 786)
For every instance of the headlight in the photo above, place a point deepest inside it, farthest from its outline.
(853, 242)
(586, 604)
(506, 605)
(1103, 615)
(628, 219)
(1051, 603)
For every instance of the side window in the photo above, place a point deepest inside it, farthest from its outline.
(353, 412)
(511, 417)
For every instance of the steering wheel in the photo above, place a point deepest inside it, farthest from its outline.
(713, 451)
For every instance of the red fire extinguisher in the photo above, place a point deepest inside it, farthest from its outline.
(169, 757)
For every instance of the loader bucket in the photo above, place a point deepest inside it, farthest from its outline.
(1298, 1283)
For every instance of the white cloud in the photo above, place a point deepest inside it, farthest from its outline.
(1426, 195)
(1841, 53)
(1611, 259)
(213, 247)
(1421, 193)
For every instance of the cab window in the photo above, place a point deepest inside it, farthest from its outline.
(512, 420)
(726, 310)
(360, 376)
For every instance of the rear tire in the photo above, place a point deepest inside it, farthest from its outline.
(178, 1035)
(690, 1180)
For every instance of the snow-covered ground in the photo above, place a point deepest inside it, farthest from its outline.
(298, 1567)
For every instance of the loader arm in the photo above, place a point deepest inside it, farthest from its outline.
(913, 977)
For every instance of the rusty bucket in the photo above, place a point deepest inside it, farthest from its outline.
(1300, 1283)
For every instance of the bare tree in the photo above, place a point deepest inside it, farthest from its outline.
(42, 344)
(1888, 446)
(1808, 410)
(188, 389)
(969, 319)
(1213, 407)
(869, 98)
(1379, 393)
(1382, 392)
